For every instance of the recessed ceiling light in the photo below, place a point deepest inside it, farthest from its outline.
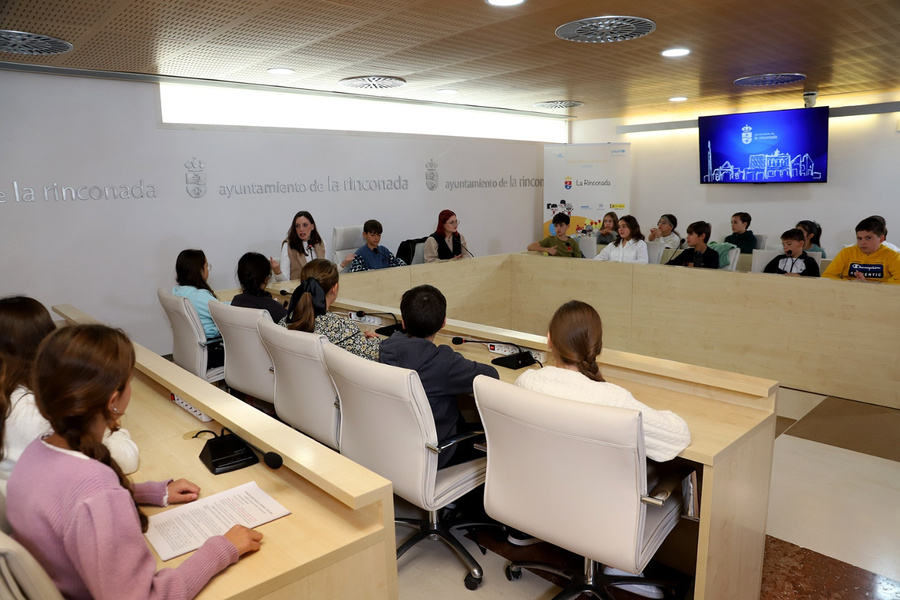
(606, 29)
(558, 104)
(504, 2)
(373, 82)
(677, 98)
(671, 52)
(447, 91)
(280, 71)
(22, 42)
(770, 79)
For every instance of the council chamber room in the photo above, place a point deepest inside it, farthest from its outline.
(354, 299)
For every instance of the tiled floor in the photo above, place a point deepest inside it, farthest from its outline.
(834, 515)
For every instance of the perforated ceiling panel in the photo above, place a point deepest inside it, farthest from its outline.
(502, 57)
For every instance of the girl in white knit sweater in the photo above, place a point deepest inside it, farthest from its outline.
(575, 338)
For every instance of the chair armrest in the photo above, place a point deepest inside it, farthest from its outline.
(214, 340)
(454, 440)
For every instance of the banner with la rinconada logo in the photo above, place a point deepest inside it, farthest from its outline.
(586, 181)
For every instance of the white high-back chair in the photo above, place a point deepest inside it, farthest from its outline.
(655, 251)
(573, 474)
(346, 240)
(387, 426)
(733, 256)
(761, 258)
(305, 397)
(21, 576)
(189, 340)
(761, 240)
(248, 367)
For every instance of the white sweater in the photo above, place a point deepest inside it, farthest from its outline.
(25, 424)
(632, 251)
(665, 433)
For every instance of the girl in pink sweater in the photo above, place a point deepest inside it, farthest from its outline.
(69, 503)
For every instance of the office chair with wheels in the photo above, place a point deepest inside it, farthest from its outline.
(583, 470)
(346, 240)
(387, 426)
(21, 576)
(189, 349)
(248, 367)
(305, 397)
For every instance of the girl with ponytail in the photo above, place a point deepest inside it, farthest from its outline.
(68, 501)
(575, 339)
(308, 311)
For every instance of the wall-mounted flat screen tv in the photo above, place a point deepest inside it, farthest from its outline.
(781, 146)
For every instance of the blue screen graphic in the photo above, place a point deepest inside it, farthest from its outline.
(783, 146)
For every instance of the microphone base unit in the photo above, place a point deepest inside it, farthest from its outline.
(507, 349)
(519, 360)
(388, 330)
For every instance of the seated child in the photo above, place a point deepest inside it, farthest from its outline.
(253, 273)
(868, 260)
(741, 237)
(698, 253)
(443, 372)
(372, 256)
(191, 273)
(665, 231)
(813, 233)
(559, 244)
(794, 261)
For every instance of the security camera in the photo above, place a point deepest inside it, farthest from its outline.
(809, 99)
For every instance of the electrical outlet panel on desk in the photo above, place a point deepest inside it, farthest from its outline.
(507, 349)
(368, 319)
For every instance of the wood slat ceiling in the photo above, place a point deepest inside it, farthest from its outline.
(497, 57)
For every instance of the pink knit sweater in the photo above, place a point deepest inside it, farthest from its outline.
(82, 526)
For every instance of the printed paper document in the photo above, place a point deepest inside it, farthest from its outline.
(185, 528)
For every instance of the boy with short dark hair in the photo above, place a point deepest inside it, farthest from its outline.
(794, 261)
(698, 253)
(443, 372)
(559, 244)
(372, 255)
(868, 260)
(741, 237)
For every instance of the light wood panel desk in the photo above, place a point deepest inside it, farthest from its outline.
(339, 541)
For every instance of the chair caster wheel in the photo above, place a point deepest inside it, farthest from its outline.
(513, 572)
(472, 581)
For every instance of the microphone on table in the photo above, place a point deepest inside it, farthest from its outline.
(518, 360)
(273, 460)
(387, 330)
(284, 292)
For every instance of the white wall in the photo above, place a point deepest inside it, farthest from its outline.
(863, 179)
(107, 256)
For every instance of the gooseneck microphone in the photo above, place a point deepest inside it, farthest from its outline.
(387, 330)
(518, 360)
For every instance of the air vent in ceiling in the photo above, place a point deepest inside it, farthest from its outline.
(558, 104)
(770, 79)
(22, 42)
(373, 82)
(601, 30)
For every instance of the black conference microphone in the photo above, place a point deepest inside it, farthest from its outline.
(789, 252)
(511, 361)
(273, 460)
(387, 330)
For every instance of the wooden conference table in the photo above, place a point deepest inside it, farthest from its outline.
(732, 422)
(337, 543)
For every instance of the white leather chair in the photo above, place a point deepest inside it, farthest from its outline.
(655, 251)
(346, 240)
(733, 255)
(575, 475)
(305, 397)
(816, 256)
(761, 258)
(248, 367)
(21, 576)
(761, 240)
(189, 348)
(387, 426)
